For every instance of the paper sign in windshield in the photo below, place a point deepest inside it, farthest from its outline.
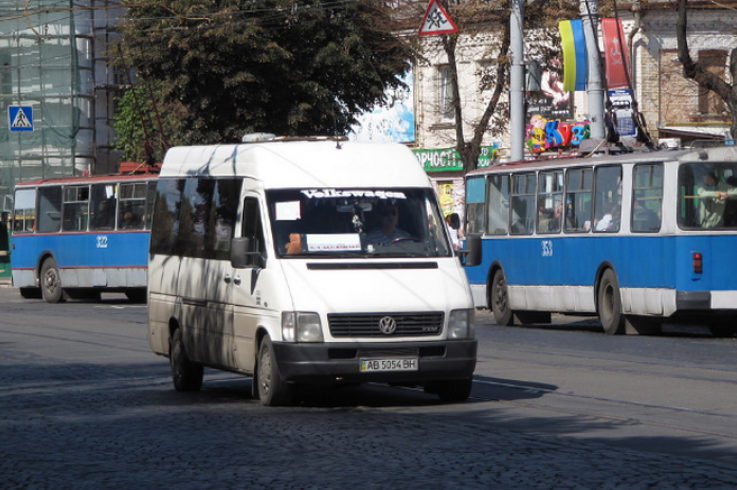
(288, 211)
(342, 242)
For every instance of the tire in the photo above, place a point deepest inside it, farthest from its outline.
(272, 389)
(610, 304)
(186, 375)
(51, 289)
(722, 330)
(31, 293)
(136, 295)
(455, 390)
(499, 300)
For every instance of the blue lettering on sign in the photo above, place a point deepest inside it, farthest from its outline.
(101, 241)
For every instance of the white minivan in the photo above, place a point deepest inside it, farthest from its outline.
(306, 261)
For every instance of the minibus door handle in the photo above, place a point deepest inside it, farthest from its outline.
(237, 280)
(227, 279)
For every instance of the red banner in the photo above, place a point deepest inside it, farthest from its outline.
(615, 53)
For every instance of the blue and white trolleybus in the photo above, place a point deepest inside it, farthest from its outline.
(637, 239)
(80, 236)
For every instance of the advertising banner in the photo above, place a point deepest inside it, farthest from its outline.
(616, 60)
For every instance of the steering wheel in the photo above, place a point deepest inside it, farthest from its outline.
(405, 239)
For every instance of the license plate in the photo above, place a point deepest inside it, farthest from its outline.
(371, 365)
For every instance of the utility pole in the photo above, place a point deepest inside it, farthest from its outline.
(589, 10)
(517, 82)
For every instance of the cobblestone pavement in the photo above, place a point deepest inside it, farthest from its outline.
(97, 426)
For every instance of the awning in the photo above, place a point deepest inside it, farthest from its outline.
(695, 131)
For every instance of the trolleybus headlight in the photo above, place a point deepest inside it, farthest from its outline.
(460, 324)
(298, 326)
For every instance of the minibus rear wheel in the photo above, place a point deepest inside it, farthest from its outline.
(272, 389)
(186, 375)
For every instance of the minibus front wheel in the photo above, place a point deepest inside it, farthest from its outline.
(272, 389)
(451, 390)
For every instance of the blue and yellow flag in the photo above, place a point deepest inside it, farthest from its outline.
(574, 55)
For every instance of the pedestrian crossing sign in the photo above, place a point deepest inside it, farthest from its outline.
(20, 117)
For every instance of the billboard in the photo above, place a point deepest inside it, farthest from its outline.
(390, 122)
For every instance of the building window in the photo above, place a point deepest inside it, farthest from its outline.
(447, 107)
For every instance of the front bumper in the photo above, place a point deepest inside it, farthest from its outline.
(331, 362)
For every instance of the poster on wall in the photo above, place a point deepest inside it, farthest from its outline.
(551, 101)
(390, 122)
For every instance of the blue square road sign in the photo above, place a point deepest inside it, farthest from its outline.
(20, 117)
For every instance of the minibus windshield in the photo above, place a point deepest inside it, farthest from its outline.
(356, 222)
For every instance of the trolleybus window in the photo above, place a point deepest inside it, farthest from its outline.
(475, 198)
(49, 209)
(25, 211)
(523, 204)
(707, 196)
(579, 200)
(76, 208)
(498, 204)
(608, 199)
(102, 207)
(647, 198)
(550, 202)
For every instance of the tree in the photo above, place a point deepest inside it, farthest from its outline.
(475, 17)
(292, 67)
(697, 72)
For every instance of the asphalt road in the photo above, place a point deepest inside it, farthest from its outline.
(84, 404)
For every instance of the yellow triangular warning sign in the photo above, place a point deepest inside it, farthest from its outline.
(437, 21)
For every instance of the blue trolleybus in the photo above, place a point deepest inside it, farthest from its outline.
(81, 236)
(638, 239)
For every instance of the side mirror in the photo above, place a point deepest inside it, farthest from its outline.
(241, 255)
(473, 250)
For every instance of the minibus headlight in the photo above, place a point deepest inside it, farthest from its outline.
(308, 327)
(460, 324)
(297, 326)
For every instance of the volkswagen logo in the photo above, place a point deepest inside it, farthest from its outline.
(388, 325)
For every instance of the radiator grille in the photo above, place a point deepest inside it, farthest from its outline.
(367, 324)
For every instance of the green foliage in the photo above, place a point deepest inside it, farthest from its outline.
(239, 66)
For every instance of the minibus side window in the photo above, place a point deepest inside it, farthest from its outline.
(253, 227)
(164, 236)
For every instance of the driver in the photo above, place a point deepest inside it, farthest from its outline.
(387, 230)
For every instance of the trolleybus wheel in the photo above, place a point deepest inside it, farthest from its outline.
(186, 375)
(50, 281)
(499, 300)
(272, 389)
(610, 304)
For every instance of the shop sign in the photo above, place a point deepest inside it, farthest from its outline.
(448, 159)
